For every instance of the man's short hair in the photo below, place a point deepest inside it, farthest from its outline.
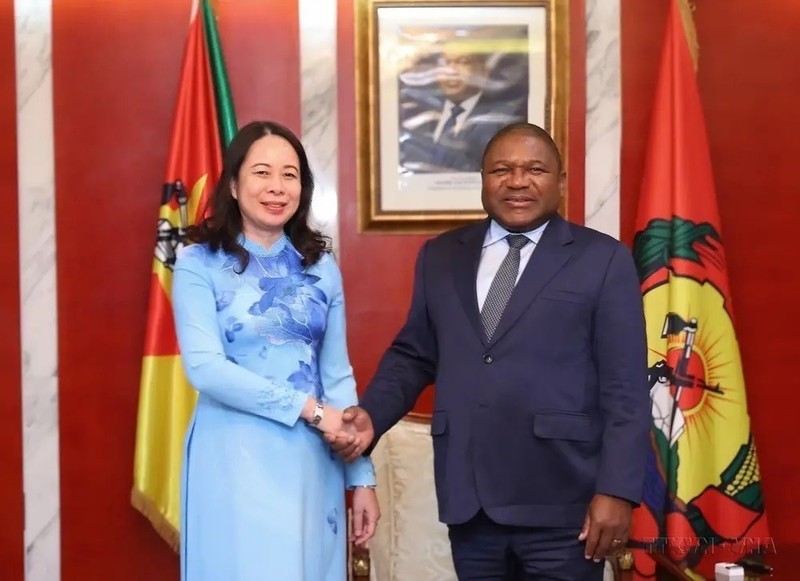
(526, 129)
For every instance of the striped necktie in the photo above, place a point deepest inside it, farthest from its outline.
(502, 285)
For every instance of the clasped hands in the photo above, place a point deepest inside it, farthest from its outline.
(349, 432)
(354, 436)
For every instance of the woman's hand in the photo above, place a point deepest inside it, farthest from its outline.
(366, 514)
(331, 422)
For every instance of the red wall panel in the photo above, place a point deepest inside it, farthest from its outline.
(11, 532)
(748, 84)
(642, 36)
(262, 51)
(577, 112)
(378, 270)
(116, 67)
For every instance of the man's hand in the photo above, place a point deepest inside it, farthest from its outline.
(606, 527)
(357, 423)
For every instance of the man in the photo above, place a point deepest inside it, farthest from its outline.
(446, 131)
(541, 414)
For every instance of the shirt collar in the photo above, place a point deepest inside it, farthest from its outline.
(496, 232)
(259, 250)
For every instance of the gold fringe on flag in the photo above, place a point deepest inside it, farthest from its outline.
(162, 526)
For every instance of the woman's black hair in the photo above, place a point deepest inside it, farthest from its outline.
(222, 227)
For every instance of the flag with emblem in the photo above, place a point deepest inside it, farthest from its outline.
(204, 123)
(702, 500)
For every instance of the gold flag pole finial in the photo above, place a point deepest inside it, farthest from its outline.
(686, 8)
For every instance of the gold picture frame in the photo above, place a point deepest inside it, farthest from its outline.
(411, 55)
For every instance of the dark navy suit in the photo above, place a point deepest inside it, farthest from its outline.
(555, 408)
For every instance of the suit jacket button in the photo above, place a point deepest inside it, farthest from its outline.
(487, 359)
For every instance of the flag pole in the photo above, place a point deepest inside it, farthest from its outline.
(686, 9)
(195, 8)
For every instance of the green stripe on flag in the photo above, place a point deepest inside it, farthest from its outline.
(226, 117)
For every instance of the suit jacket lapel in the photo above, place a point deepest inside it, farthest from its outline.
(549, 256)
(465, 271)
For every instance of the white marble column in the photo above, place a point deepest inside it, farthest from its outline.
(37, 244)
(318, 111)
(603, 115)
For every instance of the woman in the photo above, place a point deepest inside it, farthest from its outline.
(260, 319)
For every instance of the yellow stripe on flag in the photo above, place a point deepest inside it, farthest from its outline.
(164, 415)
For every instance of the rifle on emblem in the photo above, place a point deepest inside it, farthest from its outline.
(170, 238)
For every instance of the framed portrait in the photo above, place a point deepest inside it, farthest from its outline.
(436, 79)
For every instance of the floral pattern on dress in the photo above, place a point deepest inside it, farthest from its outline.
(291, 309)
(333, 519)
(306, 378)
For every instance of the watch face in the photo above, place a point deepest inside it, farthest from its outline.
(317, 414)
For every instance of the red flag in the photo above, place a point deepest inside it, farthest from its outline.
(203, 121)
(703, 502)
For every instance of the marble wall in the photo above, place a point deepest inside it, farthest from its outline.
(37, 244)
(318, 110)
(603, 115)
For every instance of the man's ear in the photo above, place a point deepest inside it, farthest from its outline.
(562, 183)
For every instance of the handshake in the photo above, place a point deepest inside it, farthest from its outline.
(349, 432)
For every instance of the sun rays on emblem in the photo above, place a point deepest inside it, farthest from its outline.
(696, 385)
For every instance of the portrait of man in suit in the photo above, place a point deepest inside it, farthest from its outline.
(455, 97)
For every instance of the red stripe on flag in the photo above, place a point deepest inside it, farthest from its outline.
(160, 338)
(726, 517)
(194, 147)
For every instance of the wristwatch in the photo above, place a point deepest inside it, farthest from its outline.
(318, 413)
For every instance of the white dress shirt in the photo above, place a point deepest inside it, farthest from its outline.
(495, 249)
